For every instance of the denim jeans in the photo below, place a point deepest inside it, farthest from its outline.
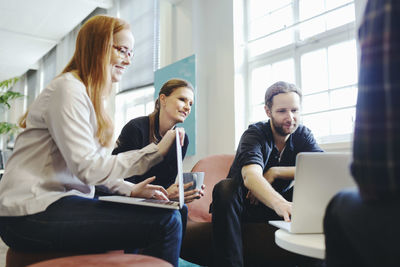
(361, 233)
(90, 225)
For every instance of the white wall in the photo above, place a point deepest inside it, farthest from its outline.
(205, 28)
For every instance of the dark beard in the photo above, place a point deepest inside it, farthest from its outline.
(279, 129)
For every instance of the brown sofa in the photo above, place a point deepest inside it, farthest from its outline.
(258, 238)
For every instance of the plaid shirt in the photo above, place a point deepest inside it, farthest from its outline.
(376, 165)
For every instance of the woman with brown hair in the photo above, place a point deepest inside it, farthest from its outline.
(172, 106)
(47, 192)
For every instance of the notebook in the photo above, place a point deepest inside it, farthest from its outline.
(156, 202)
(318, 177)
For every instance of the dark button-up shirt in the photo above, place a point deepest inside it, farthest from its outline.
(257, 146)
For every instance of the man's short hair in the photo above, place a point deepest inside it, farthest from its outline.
(280, 88)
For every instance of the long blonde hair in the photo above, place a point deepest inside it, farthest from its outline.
(91, 62)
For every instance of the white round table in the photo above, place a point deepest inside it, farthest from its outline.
(311, 245)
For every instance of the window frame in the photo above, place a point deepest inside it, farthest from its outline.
(295, 50)
(144, 99)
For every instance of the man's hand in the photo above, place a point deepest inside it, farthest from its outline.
(270, 175)
(146, 190)
(253, 200)
(280, 172)
(283, 208)
(263, 191)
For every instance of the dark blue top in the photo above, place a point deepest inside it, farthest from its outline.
(257, 146)
(135, 135)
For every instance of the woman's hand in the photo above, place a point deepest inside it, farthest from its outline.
(173, 192)
(146, 190)
(169, 139)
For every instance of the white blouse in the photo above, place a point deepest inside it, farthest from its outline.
(58, 153)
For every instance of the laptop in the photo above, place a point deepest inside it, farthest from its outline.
(318, 177)
(157, 203)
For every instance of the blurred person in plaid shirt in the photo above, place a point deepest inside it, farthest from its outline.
(361, 226)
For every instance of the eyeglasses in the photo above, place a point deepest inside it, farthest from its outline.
(123, 52)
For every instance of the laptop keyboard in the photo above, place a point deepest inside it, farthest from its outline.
(160, 201)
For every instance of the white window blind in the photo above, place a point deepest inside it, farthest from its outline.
(49, 66)
(141, 15)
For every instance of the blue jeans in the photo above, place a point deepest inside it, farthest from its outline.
(90, 226)
(360, 233)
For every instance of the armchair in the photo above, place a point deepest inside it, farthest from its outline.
(259, 248)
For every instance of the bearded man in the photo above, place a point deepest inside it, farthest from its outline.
(259, 185)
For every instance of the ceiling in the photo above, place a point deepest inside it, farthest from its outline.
(30, 28)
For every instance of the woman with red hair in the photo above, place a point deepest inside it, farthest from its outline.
(47, 192)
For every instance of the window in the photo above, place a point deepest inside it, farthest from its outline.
(311, 44)
(49, 66)
(132, 104)
(135, 96)
(32, 92)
